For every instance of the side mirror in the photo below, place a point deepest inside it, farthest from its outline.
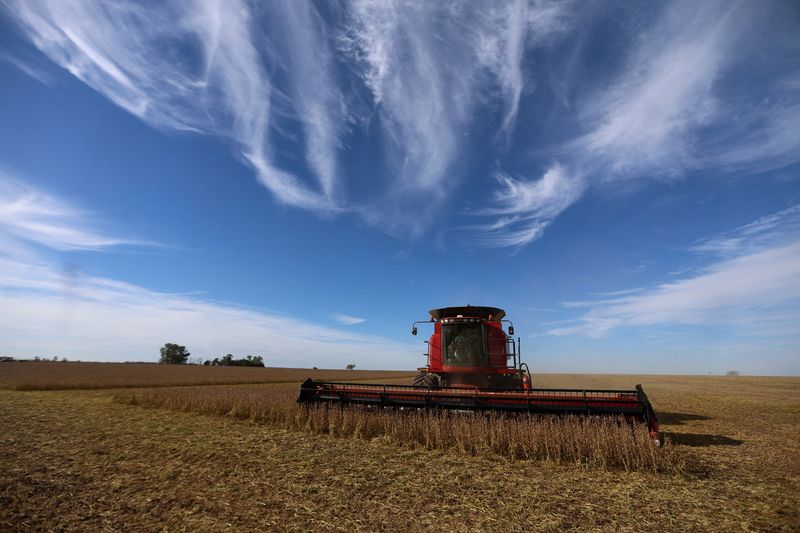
(414, 330)
(510, 330)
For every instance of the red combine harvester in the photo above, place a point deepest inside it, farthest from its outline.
(474, 365)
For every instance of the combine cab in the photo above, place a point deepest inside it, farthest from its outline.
(474, 365)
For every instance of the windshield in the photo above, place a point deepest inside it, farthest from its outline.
(463, 344)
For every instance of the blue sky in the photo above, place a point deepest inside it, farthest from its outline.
(302, 180)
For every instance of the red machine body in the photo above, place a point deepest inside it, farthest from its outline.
(469, 348)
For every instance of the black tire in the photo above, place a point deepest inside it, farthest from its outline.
(425, 380)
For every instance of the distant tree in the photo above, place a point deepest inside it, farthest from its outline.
(732, 373)
(254, 360)
(351, 366)
(173, 354)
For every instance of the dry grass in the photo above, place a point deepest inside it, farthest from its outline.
(592, 442)
(72, 375)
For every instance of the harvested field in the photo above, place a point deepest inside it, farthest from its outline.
(31, 375)
(594, 442)
(79, 460)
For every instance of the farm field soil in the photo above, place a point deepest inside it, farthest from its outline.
(32, 375)
(78, 460)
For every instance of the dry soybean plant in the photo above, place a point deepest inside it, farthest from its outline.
(590, 441)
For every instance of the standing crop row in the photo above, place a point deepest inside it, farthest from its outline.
(594, 442)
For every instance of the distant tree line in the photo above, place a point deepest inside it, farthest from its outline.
(37, 359)
(228, 360)
(175, 354)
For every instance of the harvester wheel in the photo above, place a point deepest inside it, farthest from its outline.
(425, 380)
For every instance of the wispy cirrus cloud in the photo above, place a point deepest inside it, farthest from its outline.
(381, 108)
(526, 208)
(248, 74)
(752, 284)
(300, 47)
(31, 216)
(27, 66)
(426, 66)
(519, 25)
(348, 320)
(767, 231)
(666, 114)
(763, 137)
(646, 118)
(184, 66)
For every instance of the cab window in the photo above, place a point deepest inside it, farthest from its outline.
(463, 345)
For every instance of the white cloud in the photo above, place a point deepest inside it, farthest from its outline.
(666, 91)
(641, 122)
(44, 311)
(761, 139)
(766, 231)
(283, 84)
(29, 67)
(423, 105)
(669, 112)
(50, 310)
(754, 286)
(348, 320)
(28, 215)
(651, 120)
(425, 64)
(211, 67)
(190, 66)
(298, 31)
(517, 25)
(526, 208)
(244, 73)
(731, 291)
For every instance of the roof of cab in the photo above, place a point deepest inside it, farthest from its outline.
(475, 311)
